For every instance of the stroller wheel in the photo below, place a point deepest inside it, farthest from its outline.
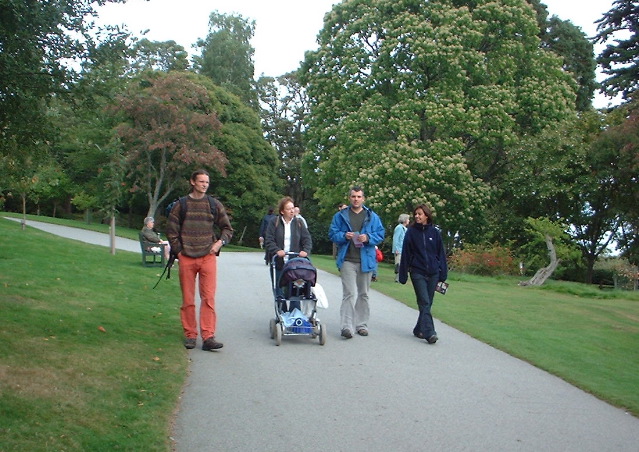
(271, 328)
(322, 334)
(278, 334)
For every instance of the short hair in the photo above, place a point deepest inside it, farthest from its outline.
(427, 210)
(285, 200)
(148, 220)
(402, 218)
(356, 188)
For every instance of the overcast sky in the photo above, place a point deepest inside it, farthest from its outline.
(284, 29)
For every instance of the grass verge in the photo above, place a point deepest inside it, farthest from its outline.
(90, 357)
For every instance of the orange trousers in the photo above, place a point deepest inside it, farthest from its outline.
(206, 269)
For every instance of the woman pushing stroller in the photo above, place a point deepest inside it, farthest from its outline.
(286, 234)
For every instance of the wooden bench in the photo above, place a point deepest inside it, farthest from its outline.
(152, 253)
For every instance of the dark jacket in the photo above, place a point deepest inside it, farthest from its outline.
(423, 252)
(269, 217)
(150, 235)
(274, 239)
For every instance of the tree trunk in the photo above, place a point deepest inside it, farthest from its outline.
(544, 273)
(590, 266)
(24, 211)
(112, 234)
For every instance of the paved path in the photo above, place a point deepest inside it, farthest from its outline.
(385, 392)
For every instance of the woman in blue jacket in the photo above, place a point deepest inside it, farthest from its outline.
(424, 257)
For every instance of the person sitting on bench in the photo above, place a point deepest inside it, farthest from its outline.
(150, 235)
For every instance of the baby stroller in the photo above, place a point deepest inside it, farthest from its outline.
(295, 303)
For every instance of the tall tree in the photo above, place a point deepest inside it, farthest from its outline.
(544, 174)
(616, 154)
(169, 126)
(568, 41)
(159, 56)
(84, 139)
(575, 172)
(251, 183)
(595, 220)
(573, 46)
(176, 122)
(227, 55)
(422, 100)
(284, 109)
(37, 40)
(620, 60)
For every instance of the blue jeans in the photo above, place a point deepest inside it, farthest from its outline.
(424, 287)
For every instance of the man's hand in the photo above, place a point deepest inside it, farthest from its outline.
(217, 246)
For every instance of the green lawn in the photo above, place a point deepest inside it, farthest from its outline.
(90, 359)
(88, 355)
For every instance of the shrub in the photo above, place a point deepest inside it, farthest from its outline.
(624, 274)
(486, 260)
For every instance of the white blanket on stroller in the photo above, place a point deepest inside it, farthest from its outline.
(320, 295)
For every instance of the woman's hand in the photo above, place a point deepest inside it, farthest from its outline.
(303, 254)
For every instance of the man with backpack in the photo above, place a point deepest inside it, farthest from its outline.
(193, 239)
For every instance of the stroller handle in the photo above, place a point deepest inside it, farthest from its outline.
(288, 254)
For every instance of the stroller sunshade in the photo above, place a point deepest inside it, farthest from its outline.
(298, 268)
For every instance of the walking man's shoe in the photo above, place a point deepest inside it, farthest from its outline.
(362, 332)
(211, 344)
(347, 333)
(189, 343)
(432, 339)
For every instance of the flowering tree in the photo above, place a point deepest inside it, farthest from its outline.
(422, 100)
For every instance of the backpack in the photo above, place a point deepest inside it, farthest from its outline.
(167, 212)
(182, 202)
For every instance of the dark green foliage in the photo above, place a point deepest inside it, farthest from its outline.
(620, 59)
(284, 111)
(159, 56)
(251, 183)
(569, 42)
(227, 55)
(37, 39)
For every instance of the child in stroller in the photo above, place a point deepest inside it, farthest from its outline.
(295, 302)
